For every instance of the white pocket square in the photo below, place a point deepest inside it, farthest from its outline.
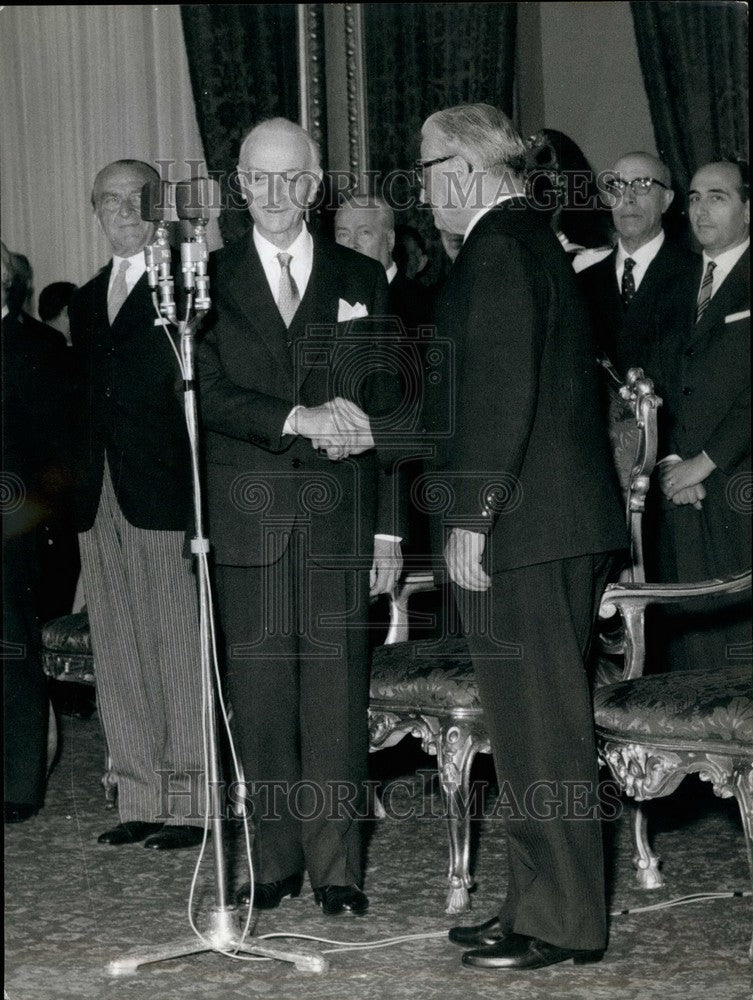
(346, 311)
(734, 317)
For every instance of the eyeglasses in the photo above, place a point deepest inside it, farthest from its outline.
(258, 178)
(638, 185)
(420, 166)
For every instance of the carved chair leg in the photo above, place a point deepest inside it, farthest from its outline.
(742, 786)
(645, 861)
(456, 749)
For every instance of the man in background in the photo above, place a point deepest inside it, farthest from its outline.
(133, 506)
(624, 290)
(37, 402)
(53, 305)
(702, 370)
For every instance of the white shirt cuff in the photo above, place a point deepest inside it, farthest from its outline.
(288, 426)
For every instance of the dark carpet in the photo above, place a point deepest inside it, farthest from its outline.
(72, 905)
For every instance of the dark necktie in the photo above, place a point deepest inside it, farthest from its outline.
(288, 298)
(628, 281)
(118, 291)
(704, 294)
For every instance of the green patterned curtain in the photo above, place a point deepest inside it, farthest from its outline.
(244, 67)
(421, 57)
(694, 58)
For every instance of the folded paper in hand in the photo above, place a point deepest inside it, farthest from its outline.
(345, 311)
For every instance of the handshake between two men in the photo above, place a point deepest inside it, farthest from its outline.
(338, 427)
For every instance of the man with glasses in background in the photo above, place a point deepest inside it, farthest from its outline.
(623, 290)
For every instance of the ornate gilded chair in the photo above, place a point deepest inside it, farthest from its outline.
(428, 689)
(653, 731)
(67, 657)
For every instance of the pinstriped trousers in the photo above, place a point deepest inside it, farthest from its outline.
(143, 614)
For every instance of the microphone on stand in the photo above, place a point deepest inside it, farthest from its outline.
(158, 206)
(197, 201)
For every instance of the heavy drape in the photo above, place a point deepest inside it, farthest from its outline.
(421, 57)
(694, 58)
(243, 66)
(82, 86)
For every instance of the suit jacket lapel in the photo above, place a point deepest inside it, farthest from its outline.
(733, 294)
(250, 289)
(318, 307)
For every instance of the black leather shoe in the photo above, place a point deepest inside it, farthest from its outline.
(19, 812)
(334, 899)
(268, 895)
(519, 951)
(128, 833)
(480, 935)
(173, 838)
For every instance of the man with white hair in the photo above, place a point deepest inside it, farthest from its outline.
(287, 364)
(366, 223)
(534, 518)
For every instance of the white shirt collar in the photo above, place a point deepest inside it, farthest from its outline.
(484, 211)
(5, 311)
(724, 263)
(135, 271)
(302, 252)
(643, 256)
(391, 272)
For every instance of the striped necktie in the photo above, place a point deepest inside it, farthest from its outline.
(704, 294)
(288, 298)
(118, 292)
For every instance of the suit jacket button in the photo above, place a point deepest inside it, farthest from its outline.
(689, 352)
(296, 463)
(686, 390)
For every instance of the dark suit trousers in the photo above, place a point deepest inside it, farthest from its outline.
(528, 637)
(701, 545)
(298, 679)
(25, 704)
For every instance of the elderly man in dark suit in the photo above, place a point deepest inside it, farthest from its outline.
(624, 290)
(534, 516)
(292, 401)
(702, 369)
(133, 506)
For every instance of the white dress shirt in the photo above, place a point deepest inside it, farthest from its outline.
(724, 264)
(642, 257)
(134, 272)
(391, 272)
(302, 252)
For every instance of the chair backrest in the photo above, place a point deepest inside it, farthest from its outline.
(633, 419)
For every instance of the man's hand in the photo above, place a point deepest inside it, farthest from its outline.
(462, 555)
(679, 477)
(690, 495)
(387, 566)
(349, 432)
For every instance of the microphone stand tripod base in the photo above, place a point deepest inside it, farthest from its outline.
(223, 935)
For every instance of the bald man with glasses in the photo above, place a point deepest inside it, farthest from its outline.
(623, 290)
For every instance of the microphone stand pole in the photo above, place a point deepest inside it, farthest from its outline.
(224, 932)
